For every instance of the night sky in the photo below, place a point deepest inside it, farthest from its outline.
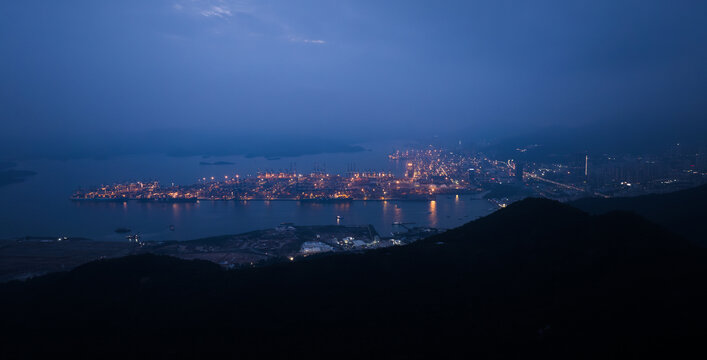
(98, 76)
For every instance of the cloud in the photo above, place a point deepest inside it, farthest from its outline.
(214, 8)
(308, 41)
(297, 39)
(218, 11)
(262, 21)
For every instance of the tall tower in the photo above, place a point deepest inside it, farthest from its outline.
(586, 165)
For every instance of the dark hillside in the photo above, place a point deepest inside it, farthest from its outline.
(537, 279)
(682, 212)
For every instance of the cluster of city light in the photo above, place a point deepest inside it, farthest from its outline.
(434, 172)
(428, 172)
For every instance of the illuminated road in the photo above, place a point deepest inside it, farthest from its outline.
(571, 187)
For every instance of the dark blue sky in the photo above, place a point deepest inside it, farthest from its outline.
(90, 72)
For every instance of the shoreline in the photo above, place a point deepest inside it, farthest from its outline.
(311, 201)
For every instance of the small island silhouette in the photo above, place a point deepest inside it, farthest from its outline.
(206, 163)
(8, 175)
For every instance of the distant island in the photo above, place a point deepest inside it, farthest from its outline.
(206, 163)
(276, 147)
(10, 176)
(301, 150)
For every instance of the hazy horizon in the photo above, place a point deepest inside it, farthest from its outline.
(91, 79)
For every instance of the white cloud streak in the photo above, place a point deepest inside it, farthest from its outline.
(213, 8)
(308, 41)
(227, 9)
(296, 39)
(218, 11)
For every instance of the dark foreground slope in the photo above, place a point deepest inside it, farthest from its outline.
(682, 212)
(537, 279)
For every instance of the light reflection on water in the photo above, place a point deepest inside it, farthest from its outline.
(40, 206)
(210, 218)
